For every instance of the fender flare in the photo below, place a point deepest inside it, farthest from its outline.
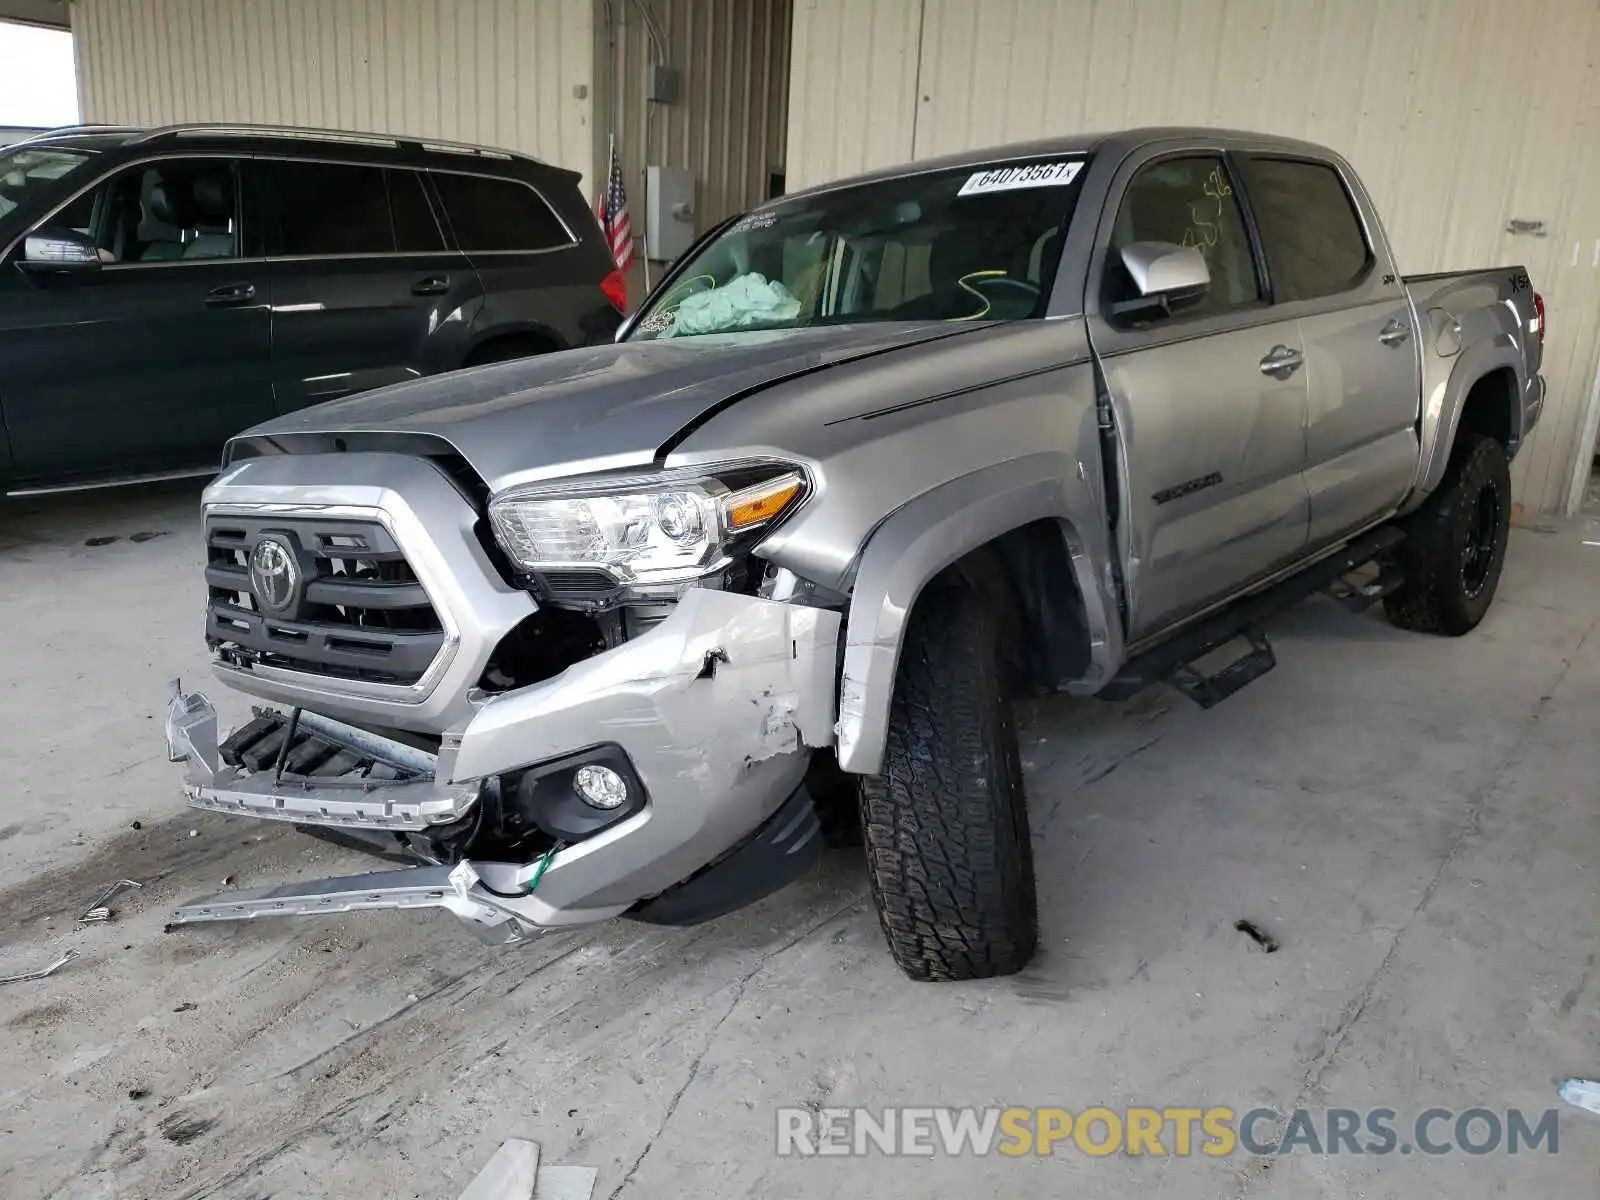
(922, 538)
(1442, 413)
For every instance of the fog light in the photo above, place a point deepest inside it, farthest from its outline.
(600, 787)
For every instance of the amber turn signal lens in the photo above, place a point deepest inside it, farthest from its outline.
(755, 505)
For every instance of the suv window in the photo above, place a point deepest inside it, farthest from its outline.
(1189, 202)
(328, 209)
(26, 171)
(498, 214)
(416, 230)
(165, 211)
(1309, 227)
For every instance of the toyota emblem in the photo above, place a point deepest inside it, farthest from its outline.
(274, 575)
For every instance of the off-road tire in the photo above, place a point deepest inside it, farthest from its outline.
(1437, 595)
(946, 823)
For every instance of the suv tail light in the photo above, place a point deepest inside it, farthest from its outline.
(1538, 316)
(615, 286)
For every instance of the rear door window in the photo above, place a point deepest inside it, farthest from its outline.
(498, 214)
(327, 209)
(1313, 238)
(416, 230)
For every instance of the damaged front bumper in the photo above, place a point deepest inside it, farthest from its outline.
(390, 785)
(715, 709)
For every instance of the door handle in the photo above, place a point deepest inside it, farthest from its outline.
(1394, 333)
(1282, 362)
(231, 294)
(433, 285)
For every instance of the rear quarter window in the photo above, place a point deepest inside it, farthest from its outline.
(498, 214)
(1309, 227)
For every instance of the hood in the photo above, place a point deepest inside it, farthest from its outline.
(600, 408)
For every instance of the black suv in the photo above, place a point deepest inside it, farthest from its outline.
(164, 289)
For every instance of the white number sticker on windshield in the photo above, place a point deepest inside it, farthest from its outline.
(1029, 175)
(755, 220)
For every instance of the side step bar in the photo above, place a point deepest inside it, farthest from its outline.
(1171, 661)
(1208, 691)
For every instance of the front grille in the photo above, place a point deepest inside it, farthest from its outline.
(359, 612)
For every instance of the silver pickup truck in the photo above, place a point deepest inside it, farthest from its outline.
(635, 629)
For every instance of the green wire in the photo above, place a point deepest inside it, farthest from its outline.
(544, 862)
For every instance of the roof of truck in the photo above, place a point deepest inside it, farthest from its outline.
(1116, 141)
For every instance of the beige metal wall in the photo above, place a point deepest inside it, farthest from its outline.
(514, 73)
(1461, 115)
(730, 121)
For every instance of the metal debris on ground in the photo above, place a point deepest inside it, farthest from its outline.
(1581, 1093)
(25, 976)
(1268, 943)
(514, 1173)
(100, 907)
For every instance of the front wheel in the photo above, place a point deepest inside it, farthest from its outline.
(946, 823)
(1455, 544)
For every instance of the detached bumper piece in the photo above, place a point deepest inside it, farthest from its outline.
(308, 769)
(787, 844)
(418, 887)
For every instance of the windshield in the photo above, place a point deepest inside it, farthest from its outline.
(979, 243)
(28, 170)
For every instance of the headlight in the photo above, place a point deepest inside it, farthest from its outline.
(649, 534)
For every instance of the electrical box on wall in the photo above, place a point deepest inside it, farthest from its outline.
(662, 84)
(669, 211)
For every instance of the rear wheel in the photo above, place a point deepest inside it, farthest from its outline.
(506, 349)
(1455, 544)
(946, 823)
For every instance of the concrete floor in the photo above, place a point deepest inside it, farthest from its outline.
(1415, 818)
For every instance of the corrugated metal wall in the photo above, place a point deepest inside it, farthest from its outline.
(730, 121)
(1461, 115)
(514, 73)
(853, 86)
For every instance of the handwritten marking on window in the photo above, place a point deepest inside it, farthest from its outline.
(1205, 216)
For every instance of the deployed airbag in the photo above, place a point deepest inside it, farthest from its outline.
(744, 302)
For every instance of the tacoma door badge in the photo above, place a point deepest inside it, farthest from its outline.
(1187, 488)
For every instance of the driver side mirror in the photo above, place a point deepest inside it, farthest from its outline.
(1165, 275)
(54, 251)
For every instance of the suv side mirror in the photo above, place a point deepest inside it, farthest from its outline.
(1165, 274)
(55, 250)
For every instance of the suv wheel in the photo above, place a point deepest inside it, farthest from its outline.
(506, 349)
(946, 824)
(1455, 544)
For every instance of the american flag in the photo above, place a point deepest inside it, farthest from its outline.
(613, 213)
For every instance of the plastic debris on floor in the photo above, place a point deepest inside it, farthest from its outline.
(514, 1173)
(1581, 1093)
